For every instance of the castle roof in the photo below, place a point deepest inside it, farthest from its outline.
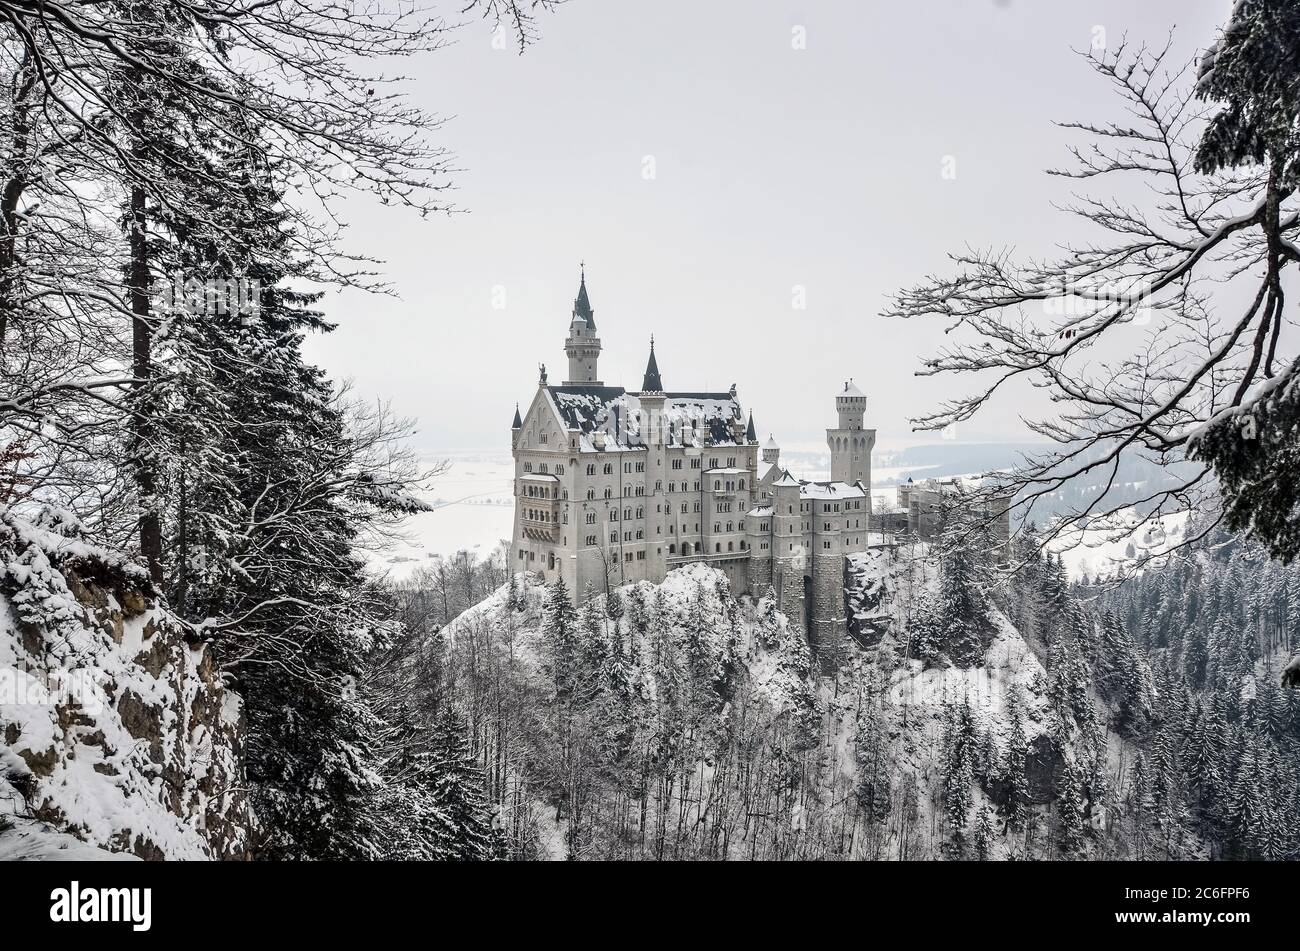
(582, 305)
(750, 435)
(831, 490)
(786, 479)
(611, 416)
(652, 382)
(851, 389)
(771, 442)
(518, 423)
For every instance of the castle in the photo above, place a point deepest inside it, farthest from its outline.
(613, 486)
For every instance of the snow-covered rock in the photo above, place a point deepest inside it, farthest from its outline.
(116, 732)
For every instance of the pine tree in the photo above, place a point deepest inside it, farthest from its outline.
(1070, 827)
(457, 793)
(983, 838)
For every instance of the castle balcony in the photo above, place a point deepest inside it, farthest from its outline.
(538, 505)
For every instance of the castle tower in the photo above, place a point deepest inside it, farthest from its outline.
(771, 451)
(791, 568)
(582, 345)
(849, 443)
(653, 433)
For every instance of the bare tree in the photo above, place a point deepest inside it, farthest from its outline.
(1137, 335)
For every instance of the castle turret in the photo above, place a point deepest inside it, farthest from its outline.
(582, 345)
(849, 443)
(771, 451)
(515, 429)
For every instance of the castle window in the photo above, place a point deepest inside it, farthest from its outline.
(677, 463)
(591, 540)
(731, 546)
(559, 470)
(591, 494)
(640, 556)
(717, 547)
(608, 492)
(716, 485)
(742, 484)
(695, 463)
(697, 548)
(550, 562)
(528, 467)
(731, 462)
(613, 538)
(543, 467)
(591, 469)
(609, 469)
(591, 518)
(672, 549)
(672, 486)
(713, 463)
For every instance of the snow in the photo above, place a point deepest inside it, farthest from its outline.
(1101, 550)
(72, 760)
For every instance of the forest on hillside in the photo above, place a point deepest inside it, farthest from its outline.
(1140, 720)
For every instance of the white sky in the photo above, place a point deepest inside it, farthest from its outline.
(774, 167)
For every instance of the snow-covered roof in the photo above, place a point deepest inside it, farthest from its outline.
(538, 477)
(831, 491)
(851, 389)
(610, 418)
(771, 442)
(786, 480)
(763, 469)
(760, 511)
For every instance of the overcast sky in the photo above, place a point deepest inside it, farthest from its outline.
(705, 168)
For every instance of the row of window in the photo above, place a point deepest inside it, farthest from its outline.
(544, 468)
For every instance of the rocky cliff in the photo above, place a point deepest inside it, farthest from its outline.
(116, 733)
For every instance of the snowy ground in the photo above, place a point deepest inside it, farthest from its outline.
(473, 509)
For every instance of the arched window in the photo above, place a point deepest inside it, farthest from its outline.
(672, 549)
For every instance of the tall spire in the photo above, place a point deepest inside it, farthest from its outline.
(750, 435)
(581, 304)
(518, 423)
(652, 382)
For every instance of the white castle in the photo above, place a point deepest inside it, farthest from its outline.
(613, 486)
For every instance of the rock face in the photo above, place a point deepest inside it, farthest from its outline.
(116, 732)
